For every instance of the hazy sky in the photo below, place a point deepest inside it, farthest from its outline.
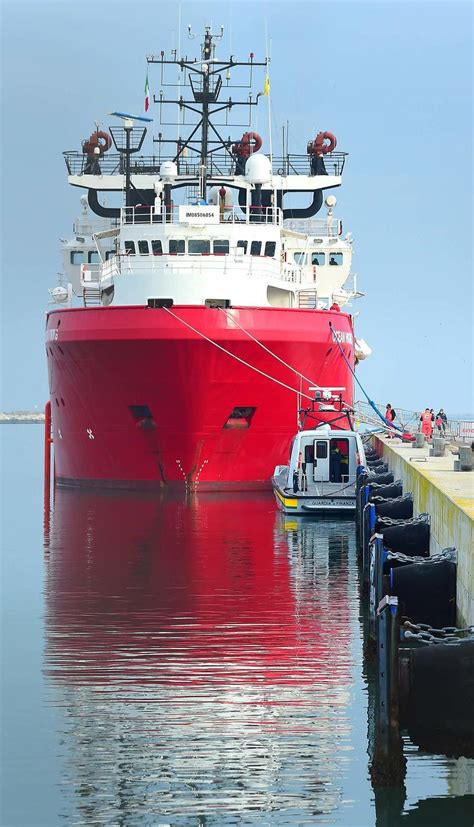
(393, 81)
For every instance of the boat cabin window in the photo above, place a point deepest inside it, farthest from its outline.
(321, 449)
(243, 244)
(299, 257)
(199, 247)
(176, 247)
(270, 247)
(255, 248)
(109, 254)
(143, 248)
(77, 257)
(309, 454)
(221, 246)
(92, 257)
(339, 460)
(157, 247)
(130, 248)
(335, 259)
(319, 259)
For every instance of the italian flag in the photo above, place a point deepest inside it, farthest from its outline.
(147, 93)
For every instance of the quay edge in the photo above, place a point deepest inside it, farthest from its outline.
(448, 496)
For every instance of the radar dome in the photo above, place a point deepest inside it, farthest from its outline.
(258, 169)
(168, 170)
(331, 201)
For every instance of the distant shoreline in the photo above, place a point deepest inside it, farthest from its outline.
(22, 418)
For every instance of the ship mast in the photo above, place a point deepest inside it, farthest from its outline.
(206, 98)
(205, 80)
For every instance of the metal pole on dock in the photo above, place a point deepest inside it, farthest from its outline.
(388, 766)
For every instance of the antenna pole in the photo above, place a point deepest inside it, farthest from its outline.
(206, 56)
(128, 128)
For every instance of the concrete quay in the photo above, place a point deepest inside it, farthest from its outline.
(448, 496)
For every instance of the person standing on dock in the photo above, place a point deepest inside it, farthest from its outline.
(426, 423)
(441, 420)
(390, 414)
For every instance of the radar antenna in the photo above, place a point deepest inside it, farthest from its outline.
(205, 81)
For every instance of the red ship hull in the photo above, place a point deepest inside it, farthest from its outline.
(138, 398)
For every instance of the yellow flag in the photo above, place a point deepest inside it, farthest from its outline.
(266, 86)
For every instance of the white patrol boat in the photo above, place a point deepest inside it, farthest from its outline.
(322, 470)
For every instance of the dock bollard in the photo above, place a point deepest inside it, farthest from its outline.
(466, 457)
(419, 440)
(438, 446)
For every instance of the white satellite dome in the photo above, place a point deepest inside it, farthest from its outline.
(168, 170)
(258, 169)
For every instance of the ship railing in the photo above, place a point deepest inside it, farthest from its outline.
(322, 227)
(218, 164)
(409, 420)
(144, 214)
(92, 225)
(91, 274)
(200, 266)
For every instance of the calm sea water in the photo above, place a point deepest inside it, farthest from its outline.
(188, 661)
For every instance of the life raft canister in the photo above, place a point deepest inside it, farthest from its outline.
(249, 143)
(100, 140)
(319, 147)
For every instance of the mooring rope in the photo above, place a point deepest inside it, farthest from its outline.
(369, 400)
(234, 356)
(247, 333)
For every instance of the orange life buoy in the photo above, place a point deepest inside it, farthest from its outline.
(100, 140)
(249, 143)
(319, 147)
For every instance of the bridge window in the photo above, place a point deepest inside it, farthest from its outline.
(92, 257)
(130, 248)
(199, 247)
(109, 254)
(319, 259)
(335, 259)
(299, 257)
(270, 247)
(143, 248)
(221, 246)
(176, 247)
(242, 244)
(77, 257)
(255, 248)
(157, 247)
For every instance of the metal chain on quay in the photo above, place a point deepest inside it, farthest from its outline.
(446, 554)
(425, 633)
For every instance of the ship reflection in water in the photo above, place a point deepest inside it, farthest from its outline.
(201, 651)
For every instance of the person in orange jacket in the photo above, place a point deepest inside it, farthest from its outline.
(426, 423)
